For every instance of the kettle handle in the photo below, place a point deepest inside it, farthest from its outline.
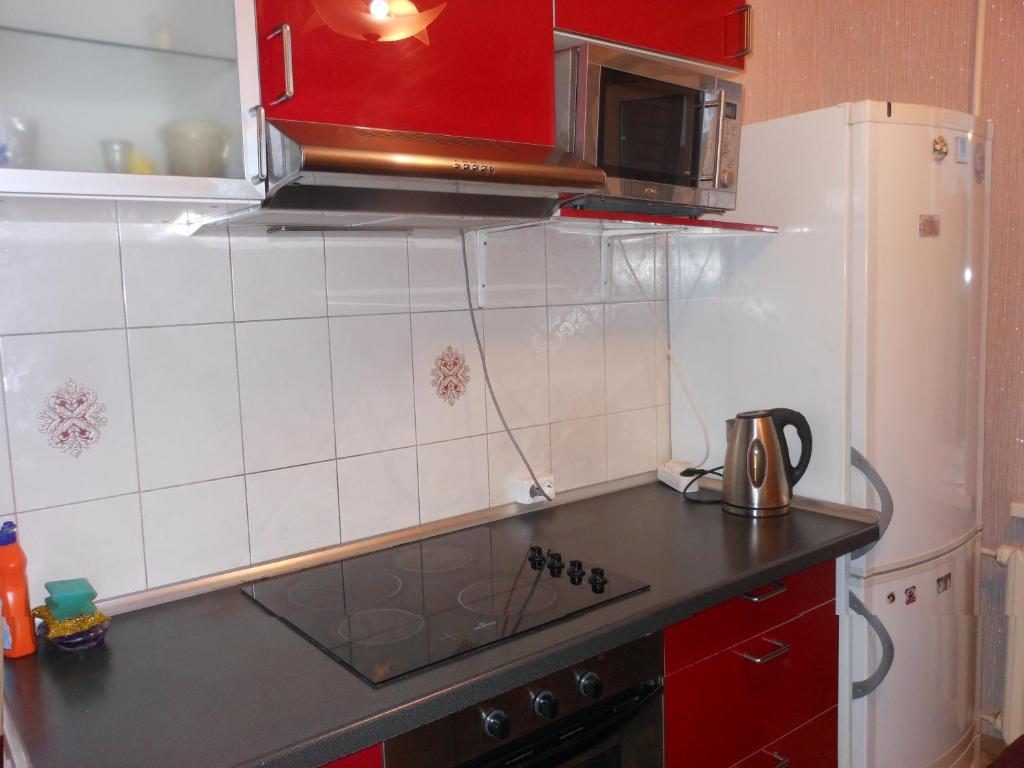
(783, 417)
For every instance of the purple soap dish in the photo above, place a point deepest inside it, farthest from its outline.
(80, 641)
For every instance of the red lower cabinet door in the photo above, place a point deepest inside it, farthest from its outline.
(709, 30)
(815, 744)
(371, 757)
(452, 67)
(728, 706)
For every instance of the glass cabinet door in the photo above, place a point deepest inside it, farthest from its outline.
(132, 87)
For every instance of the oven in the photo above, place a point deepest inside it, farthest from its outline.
(666, 135)
(603, 712)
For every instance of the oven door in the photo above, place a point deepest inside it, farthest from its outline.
(661, 134)
(623, 732)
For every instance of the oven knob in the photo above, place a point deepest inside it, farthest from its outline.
(496, 724)
(576, 571)
(597, 580)
(545, 704)
(726, 179)
(590, 685)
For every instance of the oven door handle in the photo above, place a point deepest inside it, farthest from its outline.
(561, 743)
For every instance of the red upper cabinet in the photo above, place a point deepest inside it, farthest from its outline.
(455, 67)
(708, 30)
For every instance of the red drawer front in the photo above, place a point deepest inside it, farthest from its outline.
(814, 744)
(479, 69)
(370, 757)
(722, 626)
(709, 30)
(725, 708)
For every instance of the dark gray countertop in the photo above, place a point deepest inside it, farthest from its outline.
(215, 681)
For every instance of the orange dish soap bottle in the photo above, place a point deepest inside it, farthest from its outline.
(19, 627)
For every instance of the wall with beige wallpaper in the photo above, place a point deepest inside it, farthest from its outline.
(813, 53)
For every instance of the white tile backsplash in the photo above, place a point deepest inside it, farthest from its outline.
(436, 273)
(61, 266)
(6, 487)
(379, 493)
(632, 442)
(194, 530)
(512, 268)
(69, 417)
(573, 267)
(631, 365)
(517, 359)
(258, 427)
(278, 276)
(578, 453)
(284, 372)
(101, 540)
(453, 478)
(448, 378)
(292, 510)
(373, 387)
(185, 386)
(367, 274)
(576, 341)
(171, 277)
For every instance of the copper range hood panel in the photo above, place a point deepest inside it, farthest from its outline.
(344, 177)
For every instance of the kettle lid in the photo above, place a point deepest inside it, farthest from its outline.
(762, 414)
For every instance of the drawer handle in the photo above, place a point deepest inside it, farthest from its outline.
(777, 588)
(781, 762)
(780, 648)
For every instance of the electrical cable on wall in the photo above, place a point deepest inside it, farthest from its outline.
(537, 489)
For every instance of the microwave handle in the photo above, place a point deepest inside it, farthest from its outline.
(717, 168)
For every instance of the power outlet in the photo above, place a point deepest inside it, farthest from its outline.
(522, 487)
(1017, 508)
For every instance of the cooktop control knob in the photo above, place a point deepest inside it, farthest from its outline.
(497, 724)
(545, 704)
(597, 580)
(590, 685)
(536, 558)
(576, 571)
(555, 564)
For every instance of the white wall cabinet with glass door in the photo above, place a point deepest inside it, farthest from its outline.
(129, 98)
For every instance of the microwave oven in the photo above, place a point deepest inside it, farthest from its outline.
(666, 135)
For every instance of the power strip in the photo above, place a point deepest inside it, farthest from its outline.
(671, 474)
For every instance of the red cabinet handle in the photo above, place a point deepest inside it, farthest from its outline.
(285, 31)
(742, 53)
(780, 648)
(776, 588)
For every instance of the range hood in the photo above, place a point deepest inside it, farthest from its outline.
(324, 176)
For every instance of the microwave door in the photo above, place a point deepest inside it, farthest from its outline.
(650, 131)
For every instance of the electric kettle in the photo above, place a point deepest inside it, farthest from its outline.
(758, 477)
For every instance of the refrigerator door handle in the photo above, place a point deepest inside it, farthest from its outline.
(868, 685)
(859, 461)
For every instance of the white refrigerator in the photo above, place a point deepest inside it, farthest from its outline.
(866, 313)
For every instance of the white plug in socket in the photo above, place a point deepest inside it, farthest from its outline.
(522, 488)
(1017, 508)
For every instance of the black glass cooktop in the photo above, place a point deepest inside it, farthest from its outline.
(402, 609)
